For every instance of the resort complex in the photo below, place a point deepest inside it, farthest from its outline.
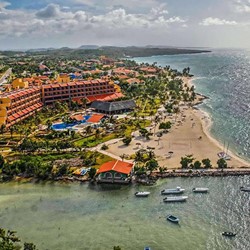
(19, 104)
(120, 126)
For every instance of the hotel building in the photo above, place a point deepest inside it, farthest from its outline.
(20, 104)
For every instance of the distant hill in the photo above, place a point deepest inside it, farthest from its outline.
(88, 47)
(93, 51)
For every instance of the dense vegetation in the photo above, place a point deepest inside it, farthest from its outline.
(114, 52)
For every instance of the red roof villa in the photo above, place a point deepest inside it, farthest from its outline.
(115, 172)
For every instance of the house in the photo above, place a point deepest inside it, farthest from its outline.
(115, 171)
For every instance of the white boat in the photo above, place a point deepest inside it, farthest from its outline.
(175, 198)
(245, 189)
(224, 156)
(200, 190)
(177, 190)
(142, 194)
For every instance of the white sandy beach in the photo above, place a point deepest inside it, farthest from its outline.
(188, 135)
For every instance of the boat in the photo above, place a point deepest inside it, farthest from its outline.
(245, 189)
(147, 248)
(224, 156)
(229, 234)
(177, 190)
(142, 194)
(173, 218)
(175, 198)
(200, 190)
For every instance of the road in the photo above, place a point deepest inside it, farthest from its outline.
(5, 75)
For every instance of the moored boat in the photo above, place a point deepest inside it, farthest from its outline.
(173, 218)
(245, 189)
(229, 234)
(200, 190)
(142, 194)
(177, 190)
(175, 198)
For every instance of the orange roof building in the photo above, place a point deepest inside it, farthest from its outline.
(96, 118)
(115, 172)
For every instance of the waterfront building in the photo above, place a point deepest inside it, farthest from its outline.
(115, 172)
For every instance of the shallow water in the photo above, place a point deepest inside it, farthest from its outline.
(58, 216)
(223, 76)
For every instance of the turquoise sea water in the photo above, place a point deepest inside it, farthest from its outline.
(74, 216)
(223, 76)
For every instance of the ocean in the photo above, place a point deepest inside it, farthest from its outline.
(86, 217)
(224, 76)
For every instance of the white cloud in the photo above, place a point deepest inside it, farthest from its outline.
(242, 6)
(56, 20)
(216, 21)
(4, 4)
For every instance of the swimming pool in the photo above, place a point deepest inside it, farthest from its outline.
(63, 125)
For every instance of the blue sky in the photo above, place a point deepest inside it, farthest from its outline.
(56, 23)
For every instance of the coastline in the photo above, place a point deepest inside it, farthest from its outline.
(207, 123)
(189, 135)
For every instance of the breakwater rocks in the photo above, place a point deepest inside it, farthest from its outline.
(199, 173)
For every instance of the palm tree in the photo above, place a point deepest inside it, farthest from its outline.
(84, 102)
(88, 130)
(12, 129)
(49, 124)
(2, 129)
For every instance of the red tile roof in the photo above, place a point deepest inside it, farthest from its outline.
(95, 118)
(117, 166)
(77, 117)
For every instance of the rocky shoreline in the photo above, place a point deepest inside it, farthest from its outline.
(200, 173)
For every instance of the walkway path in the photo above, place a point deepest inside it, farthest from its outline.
(114, 141)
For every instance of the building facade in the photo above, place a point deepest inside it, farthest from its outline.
(76, 90)
(18, 105)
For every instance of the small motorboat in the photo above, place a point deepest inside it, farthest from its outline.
(173, 218)
(245, 189)
(177, 190)
(147, 248)
(175, 198)
(200, 190)
(142, 194)
(229, 234)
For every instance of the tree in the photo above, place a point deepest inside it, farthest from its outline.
(2, 129)
(222, 163)
(117, 248)
(151, 165)
(165, 125)
(12, 129)
(88, 130)
(1, 161)
(84, 102)
(185, 161)
(92, 173)
(9, 241)
(127, 140)
(104, 147)
(49, 124)
(197, 164)
(206, 163)
(29, 246)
